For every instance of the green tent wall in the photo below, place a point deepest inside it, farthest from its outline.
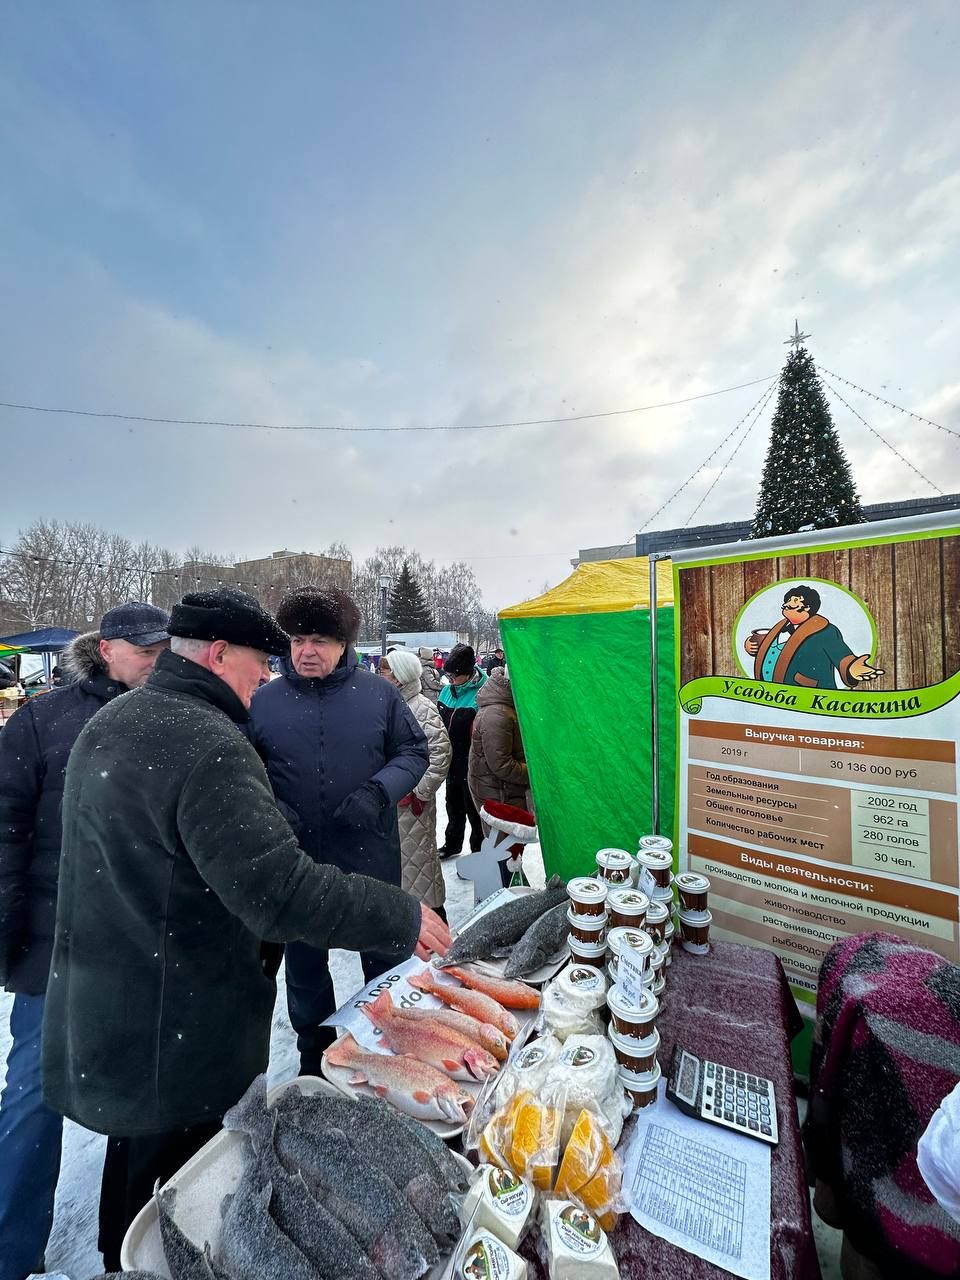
(579, 662)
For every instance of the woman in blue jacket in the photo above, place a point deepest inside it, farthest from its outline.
(341, 748)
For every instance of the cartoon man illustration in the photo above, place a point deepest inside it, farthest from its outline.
(806, 649)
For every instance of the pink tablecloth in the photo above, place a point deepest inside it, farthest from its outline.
(733, 1006)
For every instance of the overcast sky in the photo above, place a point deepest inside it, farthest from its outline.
(446, 213)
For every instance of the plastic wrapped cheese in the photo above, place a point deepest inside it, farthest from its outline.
(570, 1003)
(485, 1255)
(576, 1245)
(528, 1070)
(585, 1075)
(500, 1202)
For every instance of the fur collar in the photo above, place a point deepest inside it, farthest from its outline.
(82, 659)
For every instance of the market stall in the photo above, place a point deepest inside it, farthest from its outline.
(579, 664)
(526, 1112)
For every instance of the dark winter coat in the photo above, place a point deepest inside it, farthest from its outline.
(458, 706)
(34, 746)
(321, 739)
(176, 862)
(497, 769)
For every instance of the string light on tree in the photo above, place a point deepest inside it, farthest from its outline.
(807, 482)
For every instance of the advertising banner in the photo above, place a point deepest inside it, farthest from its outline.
(818, 680)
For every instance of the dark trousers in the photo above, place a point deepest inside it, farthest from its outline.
(131, 1169)
(460, 808)
(311, 998)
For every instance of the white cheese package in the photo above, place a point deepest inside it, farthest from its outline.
(500, 1202)
(528, 1070)
(576, 1245)
(582, 984)
(484, 1255)
(571, 1002)
(587, 1072)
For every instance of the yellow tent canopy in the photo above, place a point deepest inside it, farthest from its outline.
(600, 586)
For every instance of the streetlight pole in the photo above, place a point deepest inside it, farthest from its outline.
(385, 583)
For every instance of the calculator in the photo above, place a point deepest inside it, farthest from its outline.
(724, 1096)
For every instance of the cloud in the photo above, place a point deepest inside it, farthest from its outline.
(673, 262)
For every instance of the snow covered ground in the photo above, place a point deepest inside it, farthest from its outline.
(73, 1241)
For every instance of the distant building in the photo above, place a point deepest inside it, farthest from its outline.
(658, 541)
(266, 579)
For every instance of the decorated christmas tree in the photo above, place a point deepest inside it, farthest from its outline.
(407, 610)
(806, 481)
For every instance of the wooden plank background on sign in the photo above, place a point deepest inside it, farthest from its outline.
(912, 589)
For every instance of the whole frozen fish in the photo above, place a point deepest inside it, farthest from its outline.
(252, 1246)
(378, 1138)
(504, 926)
(307, 1223)
(364, 1200)
(545, 938)
(407, 1084)
(185, 1260)
(319, 1236)
(461, 1057)
(473, 1003)
(385, 1127)
(485, 1033)
(511, 995)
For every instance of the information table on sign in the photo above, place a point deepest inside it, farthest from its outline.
(792, 824)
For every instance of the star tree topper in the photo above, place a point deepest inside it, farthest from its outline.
(797, 339)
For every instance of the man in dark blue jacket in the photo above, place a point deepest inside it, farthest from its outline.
(341, 749)
(34, 747)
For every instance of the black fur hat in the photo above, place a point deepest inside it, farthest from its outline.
(227, 614)
(462, 661)
(320, 611)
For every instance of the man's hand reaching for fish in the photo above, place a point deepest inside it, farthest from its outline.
(434, 935)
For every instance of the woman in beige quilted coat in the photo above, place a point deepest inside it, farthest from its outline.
(417, 812)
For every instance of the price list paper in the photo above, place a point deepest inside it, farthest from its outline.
(704, 1189)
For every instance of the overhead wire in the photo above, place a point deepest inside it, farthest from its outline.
(709, 458)
(889, 403)
(361, 430)
(831, 390)
(740, 443)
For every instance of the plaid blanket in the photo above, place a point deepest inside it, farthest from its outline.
(886, 1053)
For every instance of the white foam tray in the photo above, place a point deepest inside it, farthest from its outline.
(201, 1185)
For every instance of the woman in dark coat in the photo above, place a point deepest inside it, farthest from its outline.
(341, 749)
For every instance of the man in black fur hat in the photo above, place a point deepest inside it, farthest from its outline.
(341, 748)
(176, 863)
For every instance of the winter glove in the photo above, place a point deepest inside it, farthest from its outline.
(363, 807)
(411, 801)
